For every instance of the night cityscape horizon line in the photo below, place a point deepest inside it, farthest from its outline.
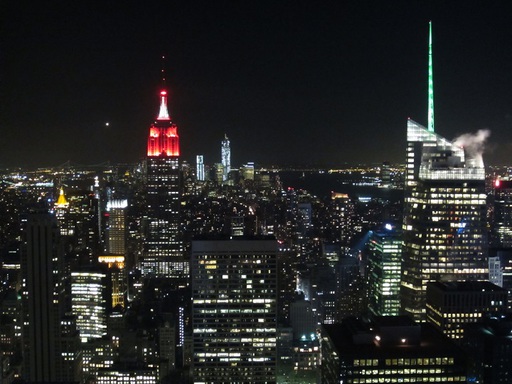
(198, 269)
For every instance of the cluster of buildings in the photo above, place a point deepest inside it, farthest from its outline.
(164, 272)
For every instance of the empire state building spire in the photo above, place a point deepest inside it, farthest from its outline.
(163, 137)
(163, 114)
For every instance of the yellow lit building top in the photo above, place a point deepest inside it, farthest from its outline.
(61, 201)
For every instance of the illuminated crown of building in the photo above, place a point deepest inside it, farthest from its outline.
(163, 140)
(61, 201)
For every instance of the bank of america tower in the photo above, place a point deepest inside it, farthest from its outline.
(444, 224)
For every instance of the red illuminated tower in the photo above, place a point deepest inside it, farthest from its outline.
(163, 248)
(163, 138)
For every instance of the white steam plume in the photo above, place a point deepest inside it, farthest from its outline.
(474, 145)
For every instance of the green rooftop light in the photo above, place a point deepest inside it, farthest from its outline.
(430, 125)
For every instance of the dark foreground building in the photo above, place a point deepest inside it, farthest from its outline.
(391, 349)
(489, 346)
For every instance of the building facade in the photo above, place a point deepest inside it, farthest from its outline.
(50, 341)
(501, 223)
(90, 302)
(116, 239)
(390, 349)
(200, 168)
(384, 265)
(451, 306)
(225, 158)
(444, 227)
(234, 295)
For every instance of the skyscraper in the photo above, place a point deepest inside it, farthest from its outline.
(163, 249)
(385, 248)
(234, 293)
(50, 340)
(444, 224)
(226, 157)
(90, 302)
(200, 168)
(501, 223)
(444, 217)
(116, 240)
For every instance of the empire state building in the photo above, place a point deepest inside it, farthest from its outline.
(163, 247)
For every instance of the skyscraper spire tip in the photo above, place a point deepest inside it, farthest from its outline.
(430, 125)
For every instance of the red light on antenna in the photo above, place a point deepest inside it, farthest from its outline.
(163, 93)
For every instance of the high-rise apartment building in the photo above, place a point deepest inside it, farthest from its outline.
(444, 227)
(384, 263)
(226, 158)
(163, 249)
(234, 296)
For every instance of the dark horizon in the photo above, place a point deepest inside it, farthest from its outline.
(288, 82)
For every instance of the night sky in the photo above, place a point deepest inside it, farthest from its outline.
(289, 82)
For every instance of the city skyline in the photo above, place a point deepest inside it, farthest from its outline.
(288, 83)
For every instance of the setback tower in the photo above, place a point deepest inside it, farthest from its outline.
(444, 227)
(163, 249)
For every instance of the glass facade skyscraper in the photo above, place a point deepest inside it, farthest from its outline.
(384, 263)
(444, 226)
(226, 158)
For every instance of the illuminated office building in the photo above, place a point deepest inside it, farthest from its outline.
(61, 208)
(163, 254)
(451, 306)
(444, 226)
(384, 263)
(234, 305)
(218, 173)
(225, 158)
(444, 217)
(116, 239)
(389, 349)
(98, 353)
(200, 168)
(248, 171)
(89, 298)
(78, 213)
(126, 374)
(117, 272)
